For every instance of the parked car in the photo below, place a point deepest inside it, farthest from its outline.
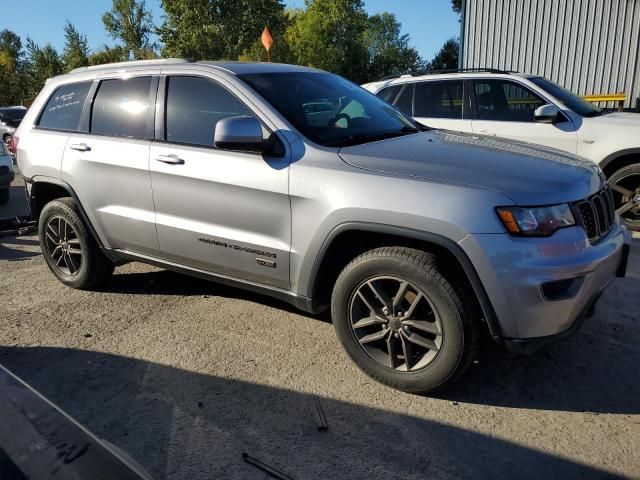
(6, 174)
(416, 239)
(10, 118)
(527, 108)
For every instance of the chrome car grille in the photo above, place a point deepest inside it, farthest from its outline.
(596, 214)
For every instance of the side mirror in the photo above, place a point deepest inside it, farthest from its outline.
(546, 114)
(243, 133)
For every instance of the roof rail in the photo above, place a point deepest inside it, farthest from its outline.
(132, 63)
(417, 73)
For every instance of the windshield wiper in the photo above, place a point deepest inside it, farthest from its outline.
(359, 138)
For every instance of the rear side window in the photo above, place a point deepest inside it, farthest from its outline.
(405, 100)
(388, 94)
(121, 107)
(441, 99)
(503, 100)
(64, 108)
(194, 107)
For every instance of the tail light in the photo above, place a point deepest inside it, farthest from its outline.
(13, 146)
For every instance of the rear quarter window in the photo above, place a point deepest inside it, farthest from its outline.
(63, 110)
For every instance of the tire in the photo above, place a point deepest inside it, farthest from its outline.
(4, 196)
(628, 178)
(458, 337)
(84, 270)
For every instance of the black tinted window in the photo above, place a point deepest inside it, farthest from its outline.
(405, 100)
(194, 107)
(388, 94)
(121, 107)
(63, 109)
(505, 101)
(438, 99)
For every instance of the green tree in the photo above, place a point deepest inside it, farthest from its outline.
(108, 55)
(447, 57)
(456, 5)
(76, 51)
(42, 63)
(12, 77)
(219, 29)
(329, 35)
(131, 23)
(388, 50)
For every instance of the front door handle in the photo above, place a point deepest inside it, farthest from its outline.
(170, 159)
(81, 147)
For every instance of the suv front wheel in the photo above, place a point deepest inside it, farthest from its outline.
(69, 250)
(402, 321)
(625, 184)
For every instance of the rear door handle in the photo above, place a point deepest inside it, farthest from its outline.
(170, 159)
(81, 147)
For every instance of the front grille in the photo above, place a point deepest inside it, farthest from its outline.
(596, 214)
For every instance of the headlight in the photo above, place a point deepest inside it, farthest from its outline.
(535, 221)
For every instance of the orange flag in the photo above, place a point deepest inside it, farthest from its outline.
(267, 41)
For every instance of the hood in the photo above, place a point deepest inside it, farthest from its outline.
(528, 174)
(615, 119)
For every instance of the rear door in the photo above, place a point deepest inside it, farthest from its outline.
(107, 162)
(223, 211)
(505, 108)
(441, 104)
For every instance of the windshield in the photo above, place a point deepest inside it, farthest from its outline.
(330, 110)
(17, 114)
(575, 103)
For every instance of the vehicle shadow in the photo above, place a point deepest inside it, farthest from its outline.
(167, 282)
(595, 370)
(183, 424)
(18, 248)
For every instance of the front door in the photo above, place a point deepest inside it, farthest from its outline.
(505, 108)
(217, 210)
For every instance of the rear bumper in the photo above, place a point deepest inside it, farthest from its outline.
(542, 289)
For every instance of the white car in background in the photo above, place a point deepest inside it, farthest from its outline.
(530, 109)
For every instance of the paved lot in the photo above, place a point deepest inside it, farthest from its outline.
(186, 375)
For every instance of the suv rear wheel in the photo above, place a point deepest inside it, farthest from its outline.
(402, 321)
(625, 184)
(68, 248)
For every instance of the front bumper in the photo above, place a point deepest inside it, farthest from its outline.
(518, 274)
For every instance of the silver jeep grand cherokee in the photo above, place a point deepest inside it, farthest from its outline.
(299, 184)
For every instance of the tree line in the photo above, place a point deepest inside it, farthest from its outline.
(334, 35)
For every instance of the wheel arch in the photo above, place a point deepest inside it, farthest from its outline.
(620, 159)
(348, 240)
(42, 190)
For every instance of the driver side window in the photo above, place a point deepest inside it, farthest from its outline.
(505, 101)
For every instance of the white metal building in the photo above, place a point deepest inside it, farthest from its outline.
(588, 46)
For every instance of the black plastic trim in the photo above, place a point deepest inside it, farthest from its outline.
(621, 271)
(76, 200)
(620, 153)
(444, 242)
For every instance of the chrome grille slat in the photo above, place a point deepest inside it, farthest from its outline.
(596, 214)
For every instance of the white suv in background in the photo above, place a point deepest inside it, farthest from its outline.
(530, 109)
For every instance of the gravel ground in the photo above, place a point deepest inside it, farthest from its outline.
(186, 375)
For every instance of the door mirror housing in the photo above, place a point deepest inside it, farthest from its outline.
(546, 114)
(242, 133)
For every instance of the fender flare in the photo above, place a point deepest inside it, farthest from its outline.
(451, 246)
(615, 155)
(64, 185)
